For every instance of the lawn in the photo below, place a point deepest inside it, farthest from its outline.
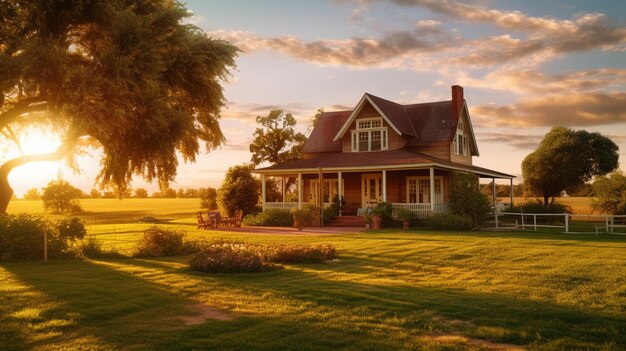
(389, 290)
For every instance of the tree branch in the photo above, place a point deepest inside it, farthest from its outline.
(22, 107)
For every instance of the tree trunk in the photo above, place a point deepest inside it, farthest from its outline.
(545, 199)
(6, 192)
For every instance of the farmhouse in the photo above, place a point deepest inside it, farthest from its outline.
(383, 151)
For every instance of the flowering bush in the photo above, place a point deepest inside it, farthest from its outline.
(224, 257)
(300, 253)
(159, 242)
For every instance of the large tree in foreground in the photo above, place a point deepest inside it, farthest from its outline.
(566, 159)
(129, 75)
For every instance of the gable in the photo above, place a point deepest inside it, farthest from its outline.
(367, 104)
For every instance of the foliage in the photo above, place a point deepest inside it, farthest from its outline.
(159, 242)
(32, 194)
(466, 199)
(304, 215)
(239, 191)
(610, 194)
(270, 217)
(60, 197)
(95, 194)
(448, 221)
(329, 213)
(276, 141)
(566, 159)
(22, 236)
(141, 193)
(208, 198)
(293, 253)
(226, 257)
(536, 206)
(91, 247)
(315, 119)
(385, 210)
(404, 214)
(135, 76)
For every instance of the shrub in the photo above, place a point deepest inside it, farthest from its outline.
(225, 257)
(92, 248)
(300, 253)
(21, 236)
(270, 217)
(445, 221)
(610, 194)
(159, 242)
(536, 206)
(466, 199)
(385, 210)
(404, 214)
(329, 214)
(60, 197)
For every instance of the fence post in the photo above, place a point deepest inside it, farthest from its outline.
(535, 221)
(566, 223)
(45, 245)
(606, 223)
(523, 224)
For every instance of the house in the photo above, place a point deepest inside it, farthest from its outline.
(384, 151)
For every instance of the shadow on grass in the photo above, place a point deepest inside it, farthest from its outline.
(132, 304)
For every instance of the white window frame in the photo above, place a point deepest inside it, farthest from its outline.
(364, 125)
(460, 144)
(438, 188)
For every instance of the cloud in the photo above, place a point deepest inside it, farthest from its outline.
(518, 141)
(535, 82)
(577, 109)
(248, 112)
(387, 51)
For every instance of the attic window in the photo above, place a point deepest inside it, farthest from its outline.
(369, 135)
(460, 144)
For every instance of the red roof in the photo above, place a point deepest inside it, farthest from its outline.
(380, 159)
(321, 138)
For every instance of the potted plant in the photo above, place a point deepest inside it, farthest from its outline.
(405, 215)
(368, 219)
(377, 220)
(300, 217)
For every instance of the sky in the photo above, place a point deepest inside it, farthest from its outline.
(525, 66)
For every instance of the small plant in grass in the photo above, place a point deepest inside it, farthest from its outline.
(300, 253)
(91, 247)
(159, 242)
(448, 221)
(224, 257)
(406, 216)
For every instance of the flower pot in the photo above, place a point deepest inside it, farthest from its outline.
(297, 223)
(405, 224)
(377, 221)
(368, 225)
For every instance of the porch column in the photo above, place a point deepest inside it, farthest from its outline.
(263, 191)
(384, 185)
(299, 190)
(511, 191)
(283, 188)
(495, 202)
(339, 191)
(432, 189)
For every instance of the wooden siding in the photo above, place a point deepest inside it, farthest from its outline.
(460, 158)
(439, 151)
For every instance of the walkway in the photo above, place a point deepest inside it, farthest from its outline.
(292, 231)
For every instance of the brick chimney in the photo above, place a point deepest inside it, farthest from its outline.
(457, 101)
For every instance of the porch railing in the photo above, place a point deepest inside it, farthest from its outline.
(422, 209)
(288, 205)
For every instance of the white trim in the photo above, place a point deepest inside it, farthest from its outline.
(437, 196)
(356, 111)
(378, 168)
(469, 121)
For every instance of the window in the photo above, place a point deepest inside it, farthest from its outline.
(460, 144)
(330, 190)
(418, 190)
(369, 135)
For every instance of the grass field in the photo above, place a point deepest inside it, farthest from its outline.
(389, 290)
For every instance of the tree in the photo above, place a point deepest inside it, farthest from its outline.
(180, 193)
(32, 194)
(141, 193)
(208, 198)
(466, 198)
(276, 141)
(168, 193)
(60, 197)
(191, 193)
(566, 159)
(128, 76)
(95, 194)
(239, 191)
(315, 119)
(610, 194)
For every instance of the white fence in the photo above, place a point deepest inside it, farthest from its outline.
(568, 223)
(421, 210)
(287, 205)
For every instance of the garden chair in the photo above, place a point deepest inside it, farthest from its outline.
(234, 221)
(202, 224)
(215, 219)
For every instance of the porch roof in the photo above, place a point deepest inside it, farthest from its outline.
(376, 160)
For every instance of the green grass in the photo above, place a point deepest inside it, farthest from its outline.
(389, 290)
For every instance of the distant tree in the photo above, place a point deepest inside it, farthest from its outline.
(168, 193)
(32, 194)
(133, 75)
(141, 193)
(157, 195)
(566, 159)
(610, 194)
(276, 141)
(239, 191)
(180, 193)
(585, 191)
(61, 197)
(109, 195)
(95, 194)
(208, 198)
(315, 119)
(122, 193)
(191, 193)
(466, 199)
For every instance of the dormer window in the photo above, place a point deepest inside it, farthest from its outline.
(369, 135)
(461, 142)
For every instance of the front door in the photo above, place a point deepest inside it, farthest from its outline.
(371, 190)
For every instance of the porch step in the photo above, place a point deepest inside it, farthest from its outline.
(347, 221)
